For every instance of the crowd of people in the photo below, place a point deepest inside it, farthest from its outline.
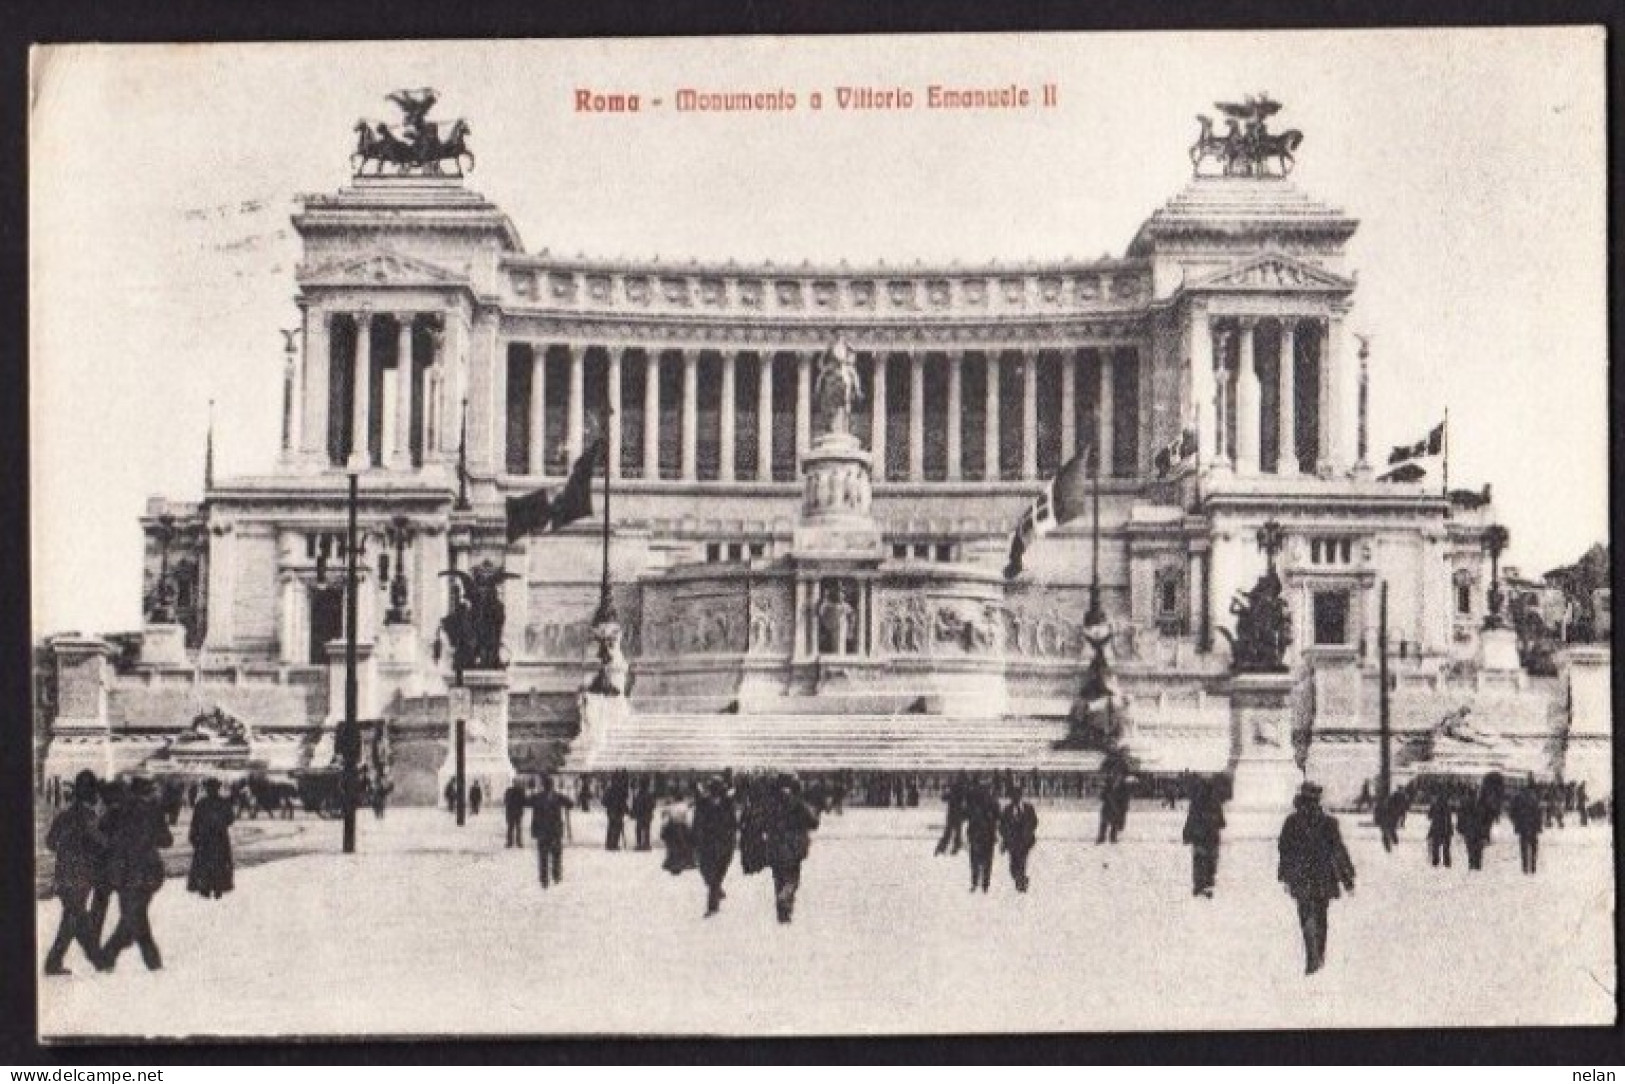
(110, 838)
(108, 845)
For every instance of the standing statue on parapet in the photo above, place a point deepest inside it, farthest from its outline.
(839, 387)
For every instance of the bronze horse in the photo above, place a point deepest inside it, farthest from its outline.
(383, 148)
(1244, 153)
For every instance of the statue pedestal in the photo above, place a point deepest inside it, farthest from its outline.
(837, 493)
(1498, 651)
(598, 715)
(163, 644)
(80, 736)
(482, 703)
(399, 655)
(1264, 772)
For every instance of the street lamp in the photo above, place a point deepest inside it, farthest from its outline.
(396, 536)
(1496, 539)
(349, 737)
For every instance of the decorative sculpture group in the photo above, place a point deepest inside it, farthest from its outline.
(417, 148)
(1247, 146)
(1263, 621)
(473, 628)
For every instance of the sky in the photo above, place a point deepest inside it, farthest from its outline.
(162, 258)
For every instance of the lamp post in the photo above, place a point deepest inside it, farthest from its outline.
(396, 536)
(1496, 539)
(350, 736)
(1384, 727)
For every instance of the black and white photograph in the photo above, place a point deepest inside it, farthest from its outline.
(821, 536)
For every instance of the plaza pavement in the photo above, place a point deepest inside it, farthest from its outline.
(431, 929)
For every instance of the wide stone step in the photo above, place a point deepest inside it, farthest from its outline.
(806, 742)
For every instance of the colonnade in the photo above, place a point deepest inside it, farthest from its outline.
(557, 419)
(1241, 363)
(383, 396)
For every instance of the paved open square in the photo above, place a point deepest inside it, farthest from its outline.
(431, 929)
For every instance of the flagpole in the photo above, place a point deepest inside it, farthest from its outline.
(1095, 616)
(606, 607)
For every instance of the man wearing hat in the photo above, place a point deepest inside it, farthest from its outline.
(1018, 831)
(1315, 867)
(136, 868)
(77, 841)
(787, 825)
(716, 830)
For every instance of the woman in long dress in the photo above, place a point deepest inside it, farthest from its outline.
(211, 875)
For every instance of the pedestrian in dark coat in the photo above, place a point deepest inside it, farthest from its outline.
(547, 829)
(1114, 800)
(954, 798)
(210, 836)
(1385, 811)
(716, 829)
(450, 794)
(135, 867)
(1472, 821)
(76, 838)
(1018, 832)
(643, 815)
(981, 832)
(1315, 867)
(513, 813)
(1582, 805)
(476, 797)
(615, 804)
(584, 794)
(1204, 821)
(1525, 815)
(1440, 828)
(787, 826)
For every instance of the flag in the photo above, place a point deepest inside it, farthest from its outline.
(575, 499)
(1062, 501)
(1403, 459)
(540, 510)
(528, 513)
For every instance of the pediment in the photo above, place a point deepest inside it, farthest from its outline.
(381, 268)
(1275, 272)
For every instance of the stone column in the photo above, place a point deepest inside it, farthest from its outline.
(725, 408)
(803, 405)
(318, 361)
(1287, 424)
(1029, 414)
(401, 453)
(764, 415)
(691, 415)
(578, 387)
(453, 367)
(1204, 387)
(1331, 406)
(877, 412)
(612, 378)
(1106, 404)
(916, 417)
(651, 414)
(1069, 404)
(538, 409)
(1247, 402)
(990, 451)
(360, 454)
(1221, 402)
(956, 407)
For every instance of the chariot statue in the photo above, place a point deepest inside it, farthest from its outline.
(1247, 148)
(417, 148)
